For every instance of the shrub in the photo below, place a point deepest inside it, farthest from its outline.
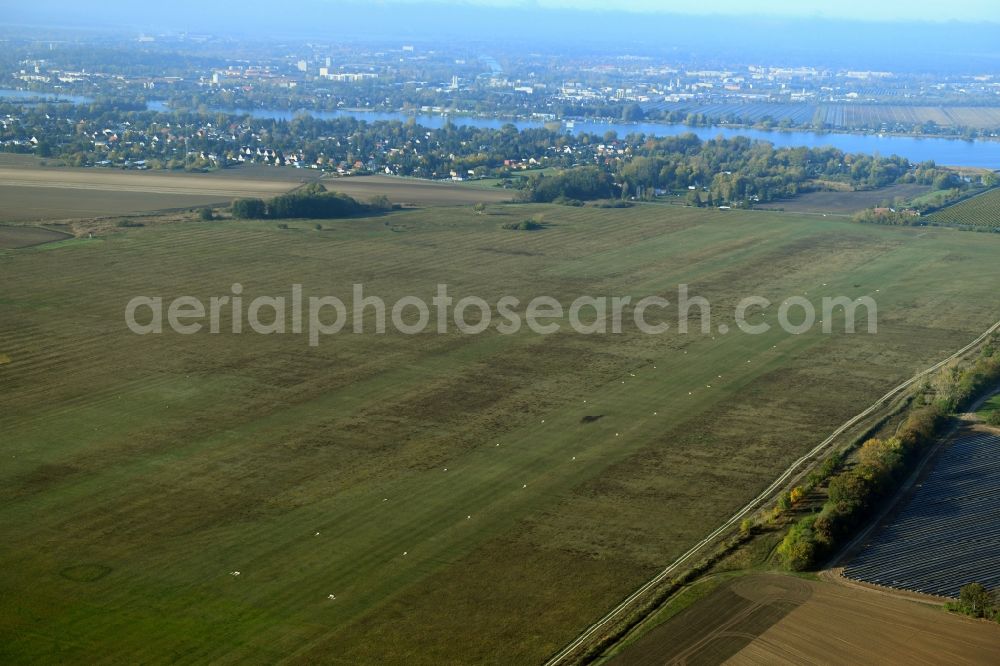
(798, 549)
(206, 215)
(993, 418)
(524, 225)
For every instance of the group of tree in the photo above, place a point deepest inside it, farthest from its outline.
(582, 183)
(740, 171)
(736, 172)
(975, 600)
(311, 202)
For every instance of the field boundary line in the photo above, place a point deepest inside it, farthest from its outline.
(561, 656)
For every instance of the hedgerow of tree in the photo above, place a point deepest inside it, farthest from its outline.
(882, 464)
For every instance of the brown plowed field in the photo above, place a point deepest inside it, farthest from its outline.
(32, 193)
(775, 619)
(54, 194)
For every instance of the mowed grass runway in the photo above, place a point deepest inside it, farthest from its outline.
(140, 472)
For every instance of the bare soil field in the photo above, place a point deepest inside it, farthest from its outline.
(778, 619)
(415, 192)
(12, 238)
(33, 192)
(721, 624)
(840, 624)
(53, 194)
(848, 203)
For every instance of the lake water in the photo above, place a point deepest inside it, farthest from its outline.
(952, 152)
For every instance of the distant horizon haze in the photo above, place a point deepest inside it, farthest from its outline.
(851, 35)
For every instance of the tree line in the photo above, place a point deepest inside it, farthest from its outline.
(737, 172)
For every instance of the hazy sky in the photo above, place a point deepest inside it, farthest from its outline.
(264, 11)
(873, 10)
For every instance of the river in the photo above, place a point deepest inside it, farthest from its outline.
(952, 152)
